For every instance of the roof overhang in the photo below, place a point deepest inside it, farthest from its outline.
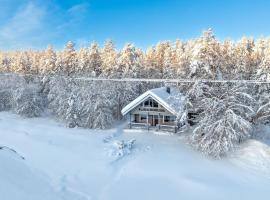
(132, 105)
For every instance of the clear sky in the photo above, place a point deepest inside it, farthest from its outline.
(36, 23)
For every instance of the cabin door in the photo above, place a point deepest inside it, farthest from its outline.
(155, 120)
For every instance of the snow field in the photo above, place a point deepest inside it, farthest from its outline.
(63, 163)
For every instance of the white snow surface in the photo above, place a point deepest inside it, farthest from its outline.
(166, 99)
(79, 164)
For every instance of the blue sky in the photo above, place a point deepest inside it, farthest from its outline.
(36, 23)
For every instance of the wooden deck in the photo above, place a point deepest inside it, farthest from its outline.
(158, 127)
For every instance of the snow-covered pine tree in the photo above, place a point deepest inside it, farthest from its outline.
(150, 64)
(224, 120)
(170, 62)
(83, 62)
(261, 92)
(21, 63)
(103, 107)
(69, 59)
(49, 60)
(129, 62)
(108, 57)
(263, 69)
(206, 57)
(182, 58)
(160, 55)
(243, 52)
(95, 60)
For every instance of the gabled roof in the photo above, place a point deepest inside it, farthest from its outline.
(173, 101)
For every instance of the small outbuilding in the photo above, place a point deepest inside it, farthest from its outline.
(157, 108)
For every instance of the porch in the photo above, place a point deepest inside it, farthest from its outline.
(154, 122)
(158, 127)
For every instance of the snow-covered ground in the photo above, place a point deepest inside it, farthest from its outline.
(80, 164)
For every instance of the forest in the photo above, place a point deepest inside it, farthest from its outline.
(33, 83)
(205, 57)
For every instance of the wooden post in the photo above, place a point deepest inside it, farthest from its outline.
(158, 121)
(148, 121)
(130, 120)
(176, 127)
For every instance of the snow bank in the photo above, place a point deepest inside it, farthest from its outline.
(253, 155)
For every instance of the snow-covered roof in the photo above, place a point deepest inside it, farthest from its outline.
(173, 101)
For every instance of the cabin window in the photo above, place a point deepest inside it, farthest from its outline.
(155, 104)
(143, 117)
(169, 118)
(151, 102)
(146, 103)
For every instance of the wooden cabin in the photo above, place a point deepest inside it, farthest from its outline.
(155, 109)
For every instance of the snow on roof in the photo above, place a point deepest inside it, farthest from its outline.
(172, 101)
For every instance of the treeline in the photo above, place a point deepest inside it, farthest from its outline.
(78, 103)
(227, 113)
(204, 57)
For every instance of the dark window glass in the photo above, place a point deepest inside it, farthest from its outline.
(143, 117)
(155, 104)
(151, 102)
(146, 103)
(169, 118)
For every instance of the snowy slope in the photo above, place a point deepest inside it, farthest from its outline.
(20, 182)
(82, 164)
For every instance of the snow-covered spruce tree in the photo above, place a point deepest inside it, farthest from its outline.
(224, 120)
(27, 101)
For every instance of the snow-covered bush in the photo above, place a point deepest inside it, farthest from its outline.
(5, 100)
(122, 148)
(224, 120)
(27, 101)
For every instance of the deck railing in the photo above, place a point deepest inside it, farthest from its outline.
(171, 128)
(152, 109)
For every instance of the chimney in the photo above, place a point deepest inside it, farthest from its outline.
(168, 89)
